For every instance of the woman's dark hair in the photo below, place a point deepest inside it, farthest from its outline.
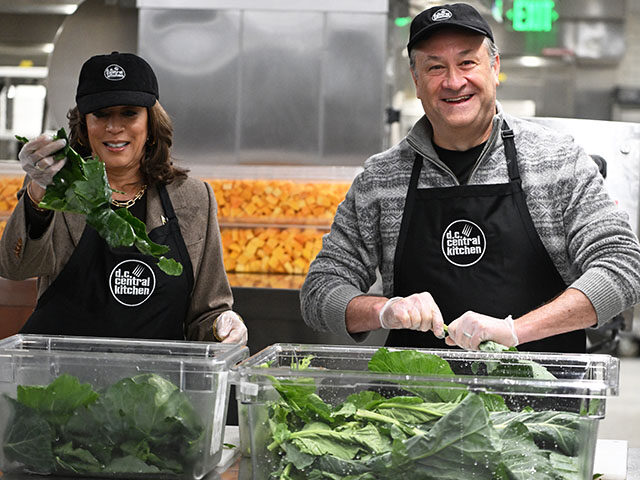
(156, 166)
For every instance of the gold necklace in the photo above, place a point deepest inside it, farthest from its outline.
(131, 201)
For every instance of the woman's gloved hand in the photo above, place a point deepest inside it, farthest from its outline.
(471, 329)
(229, 328)
(415, 312)
(36, 158)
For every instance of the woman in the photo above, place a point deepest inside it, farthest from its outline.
(84, 286)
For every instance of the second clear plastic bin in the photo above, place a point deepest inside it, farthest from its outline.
(312, 411)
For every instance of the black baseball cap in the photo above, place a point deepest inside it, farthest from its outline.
(455, 14)
(116, 79)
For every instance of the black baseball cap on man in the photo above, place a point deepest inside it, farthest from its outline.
(116, 79)
(452, 15)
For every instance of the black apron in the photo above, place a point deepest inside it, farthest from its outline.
(118, 292)
(474, 247)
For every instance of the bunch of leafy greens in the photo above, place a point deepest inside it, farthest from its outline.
(422, 431)
(142, 425)
(82, 187)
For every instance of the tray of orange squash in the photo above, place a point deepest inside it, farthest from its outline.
(272, 218)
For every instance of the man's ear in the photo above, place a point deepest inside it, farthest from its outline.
(415, 81)
(496, 70)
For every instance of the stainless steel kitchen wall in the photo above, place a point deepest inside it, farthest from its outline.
(287, 82)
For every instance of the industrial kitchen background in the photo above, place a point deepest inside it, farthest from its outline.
(278, 103)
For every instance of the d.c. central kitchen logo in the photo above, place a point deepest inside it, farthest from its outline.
(463, 243)
(132, 282)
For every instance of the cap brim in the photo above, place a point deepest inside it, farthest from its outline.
(97, 101)
(428, 30)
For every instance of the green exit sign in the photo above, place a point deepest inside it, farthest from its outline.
(532, 15)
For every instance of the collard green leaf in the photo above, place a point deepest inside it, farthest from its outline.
(94, 187)
(412, 362)
(345, 442)
(175, 405)
(520, 368)
(28, 438)
(116, 231)
(551, 430)
(510, 367)
(301, 397)
(57, 401)
(493, 402)
(521, 457)
(464, 438)
(491, 346)
(76, 460)
(142, 240)
(294, 456)
(170, 266)
(130, 464)
(409, 411)
(567, 468)
(329, 466)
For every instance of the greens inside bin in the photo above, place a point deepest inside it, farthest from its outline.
(142, 424)
(419, 430)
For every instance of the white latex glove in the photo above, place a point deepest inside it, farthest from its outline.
(229, 328)
(36, 159)
(415, 312)
(471, 329)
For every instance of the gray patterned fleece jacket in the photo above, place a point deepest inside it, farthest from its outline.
(586, 235)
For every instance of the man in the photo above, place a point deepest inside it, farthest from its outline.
(496, 226)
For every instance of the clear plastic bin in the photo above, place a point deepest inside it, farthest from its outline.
(115, 408)
(463, 423)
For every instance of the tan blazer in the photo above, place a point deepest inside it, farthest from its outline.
(193, 200)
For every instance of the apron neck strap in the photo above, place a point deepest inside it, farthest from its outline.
(510, 151)
(166, 202)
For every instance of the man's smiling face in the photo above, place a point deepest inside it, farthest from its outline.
(456, 83)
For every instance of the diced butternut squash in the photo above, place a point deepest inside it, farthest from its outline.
(9, 186)
(270, 250)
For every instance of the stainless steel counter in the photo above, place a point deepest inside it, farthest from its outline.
(633, 464)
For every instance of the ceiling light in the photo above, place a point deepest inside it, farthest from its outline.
(528, 61)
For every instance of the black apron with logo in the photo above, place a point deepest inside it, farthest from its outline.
(118, 292)
(474, 247)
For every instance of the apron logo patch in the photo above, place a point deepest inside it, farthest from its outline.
(463, 243)
(132, 282)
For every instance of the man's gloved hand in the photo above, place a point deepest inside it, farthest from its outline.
(229, 328)
(471, 329)
(36, 158)
(415, 312)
